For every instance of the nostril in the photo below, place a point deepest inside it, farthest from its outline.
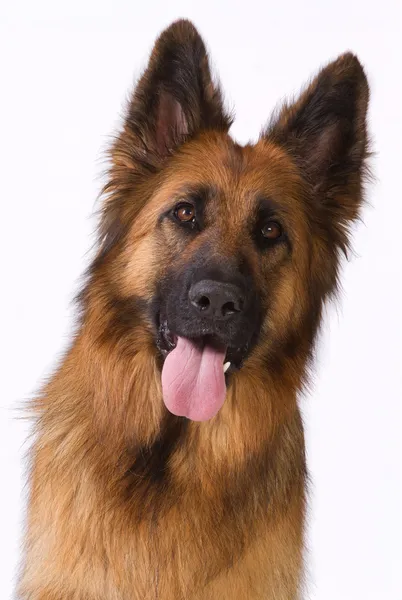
(215, 299)
(203, 302)
(229, 308)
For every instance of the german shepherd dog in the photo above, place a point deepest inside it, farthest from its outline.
(169, 458)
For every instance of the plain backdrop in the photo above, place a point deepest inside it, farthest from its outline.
(66, 69)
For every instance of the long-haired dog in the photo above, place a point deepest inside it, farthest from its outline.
(169, 458)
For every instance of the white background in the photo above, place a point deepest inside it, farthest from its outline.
(66, 68)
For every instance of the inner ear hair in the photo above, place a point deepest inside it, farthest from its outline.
(171, 127)
(325, 129)
(176, 97)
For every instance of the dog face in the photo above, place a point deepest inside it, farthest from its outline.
(224, 254)
(226, 239)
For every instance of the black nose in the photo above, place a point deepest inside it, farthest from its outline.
(215, 299)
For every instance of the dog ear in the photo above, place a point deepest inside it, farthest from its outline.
(326, 133)
(175, 98)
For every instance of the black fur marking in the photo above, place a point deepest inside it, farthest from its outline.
(238, 334)
(127, 312)
(115, 233)
(125, 317)
(151, 463)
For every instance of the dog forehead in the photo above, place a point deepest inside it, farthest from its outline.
(234, 175)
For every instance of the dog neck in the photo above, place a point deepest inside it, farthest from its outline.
(122, 399)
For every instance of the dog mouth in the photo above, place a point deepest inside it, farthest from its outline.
(196, 371)
(166, 342)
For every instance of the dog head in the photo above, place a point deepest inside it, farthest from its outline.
(223, 254)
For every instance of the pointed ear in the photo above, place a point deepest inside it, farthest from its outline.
(326, 133)
(175, 98)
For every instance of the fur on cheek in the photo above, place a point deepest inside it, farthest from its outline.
(128, 501)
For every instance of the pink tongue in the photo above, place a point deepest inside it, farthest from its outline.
(193, 381)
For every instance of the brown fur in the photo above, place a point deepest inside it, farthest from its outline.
(127, 501)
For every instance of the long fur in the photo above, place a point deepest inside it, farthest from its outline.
(128, 502)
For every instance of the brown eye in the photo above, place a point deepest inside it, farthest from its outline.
(185, 213)
(271, 230)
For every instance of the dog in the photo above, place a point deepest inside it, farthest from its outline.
(169, 459)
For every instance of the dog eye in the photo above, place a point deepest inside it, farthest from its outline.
(271, 230)
(185, 212)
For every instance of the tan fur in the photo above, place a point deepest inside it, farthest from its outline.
(225, 520)
(80, 501)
